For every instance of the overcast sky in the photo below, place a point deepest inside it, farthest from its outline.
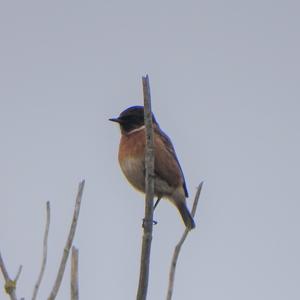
(224, 77)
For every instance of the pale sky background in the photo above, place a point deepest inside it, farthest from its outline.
(225, 87)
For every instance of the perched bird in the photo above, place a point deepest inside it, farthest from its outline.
(169, 180)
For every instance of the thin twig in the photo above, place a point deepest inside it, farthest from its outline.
(74, 275)
(3, 269)
(19, 273)
(149, 181)
(45, 249)
(68, 245)
(10, 285)
(179, 245)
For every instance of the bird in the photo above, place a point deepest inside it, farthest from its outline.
(169, 182)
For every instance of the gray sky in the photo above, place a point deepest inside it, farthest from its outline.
(225, 87)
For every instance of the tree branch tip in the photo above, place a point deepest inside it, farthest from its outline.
(80, 188)
(200, 184)
(81, 185)
(18, 274)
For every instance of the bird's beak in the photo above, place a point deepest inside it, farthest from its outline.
(117, 120)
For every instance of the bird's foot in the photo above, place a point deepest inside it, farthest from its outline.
(145, 221)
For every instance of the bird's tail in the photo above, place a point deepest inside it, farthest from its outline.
(186, 215)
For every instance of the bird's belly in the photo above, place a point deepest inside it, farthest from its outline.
(133, 170)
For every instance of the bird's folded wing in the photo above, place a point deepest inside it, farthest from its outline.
(167, 165)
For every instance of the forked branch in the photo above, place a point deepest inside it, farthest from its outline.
(10, 285)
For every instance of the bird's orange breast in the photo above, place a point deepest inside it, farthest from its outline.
(132, 158)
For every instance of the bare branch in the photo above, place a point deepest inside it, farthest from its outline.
(68, 245)
(74, 275)
(10, 285)
(179, 245)
(45, 249)
(3, 269)
(149, 182)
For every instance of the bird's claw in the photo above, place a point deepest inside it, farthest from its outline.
(145, 221)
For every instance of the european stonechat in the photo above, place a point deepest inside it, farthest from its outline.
(169, 180)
